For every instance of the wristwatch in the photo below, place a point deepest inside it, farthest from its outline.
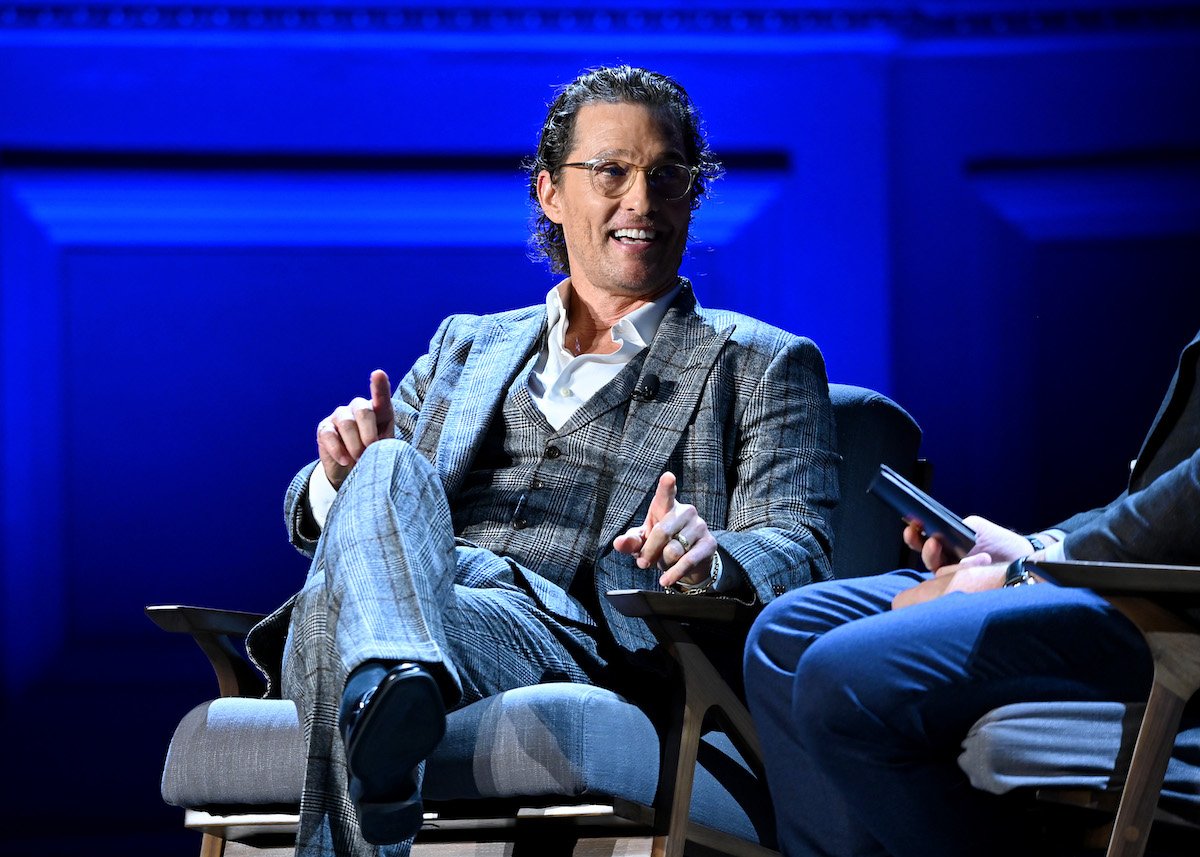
(1018, 575)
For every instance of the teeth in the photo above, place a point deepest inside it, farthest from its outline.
(639, 234)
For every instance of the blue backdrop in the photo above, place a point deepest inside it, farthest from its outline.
(216, 219)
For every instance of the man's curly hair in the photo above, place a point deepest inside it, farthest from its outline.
(621, 84)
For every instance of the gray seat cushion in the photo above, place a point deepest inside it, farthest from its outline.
(578, 740)
(551, 739)
(1073, 745)
(234, 751)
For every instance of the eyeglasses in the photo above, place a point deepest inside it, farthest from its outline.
(613, 178)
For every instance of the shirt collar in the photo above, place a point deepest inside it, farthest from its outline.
(637, 327)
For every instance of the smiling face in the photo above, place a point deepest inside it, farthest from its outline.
(630, 246)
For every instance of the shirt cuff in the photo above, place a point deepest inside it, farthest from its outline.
(321, 495)
(1054, 552)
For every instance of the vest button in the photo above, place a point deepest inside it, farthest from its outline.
(553, 451)
(537, 484)
(520, 523)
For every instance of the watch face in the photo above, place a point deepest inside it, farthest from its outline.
(1016, 575)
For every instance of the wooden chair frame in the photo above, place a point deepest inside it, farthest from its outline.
(665, 825)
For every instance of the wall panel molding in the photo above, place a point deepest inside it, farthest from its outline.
(955, 19)
(1079, 277)
(1094, 199)
(32, 583)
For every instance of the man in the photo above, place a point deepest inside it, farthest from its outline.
(863, 689)
(464, 529)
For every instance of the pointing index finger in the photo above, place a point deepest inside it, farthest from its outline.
(664, 496)
(381, 402)
(381, 390)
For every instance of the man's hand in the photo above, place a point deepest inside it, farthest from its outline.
(343, 435)
(674, 537)
(976, 573)
(992, 540)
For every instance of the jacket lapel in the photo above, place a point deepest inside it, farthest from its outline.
(1173, 403)
(681, 355)
(498, 355)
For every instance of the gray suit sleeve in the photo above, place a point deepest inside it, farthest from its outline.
(786, 479)
(1154, 525)
(302, 529)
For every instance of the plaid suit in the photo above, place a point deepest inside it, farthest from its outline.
(741, 417)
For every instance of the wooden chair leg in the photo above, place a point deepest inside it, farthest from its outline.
(1175, 648)
(704, 691)
(682, 748)
(212, 846)
(1155, 741)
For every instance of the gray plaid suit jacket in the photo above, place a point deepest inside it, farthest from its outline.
(742, 418)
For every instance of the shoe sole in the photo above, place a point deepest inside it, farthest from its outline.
(390, 823)
(401, 726)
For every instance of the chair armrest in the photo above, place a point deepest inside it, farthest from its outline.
(179, 619)
(710, 609)
(1124, 578)
(214, 632)
(1154, 598)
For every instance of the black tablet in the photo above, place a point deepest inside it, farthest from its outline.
(913, 504)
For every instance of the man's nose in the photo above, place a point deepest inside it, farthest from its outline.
(639, 197)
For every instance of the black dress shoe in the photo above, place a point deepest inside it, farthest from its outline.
(392, 729)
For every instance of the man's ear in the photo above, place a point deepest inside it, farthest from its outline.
(547, 192)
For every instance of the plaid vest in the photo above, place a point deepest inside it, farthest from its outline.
(538, 495)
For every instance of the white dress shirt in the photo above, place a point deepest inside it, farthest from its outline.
(561, 381)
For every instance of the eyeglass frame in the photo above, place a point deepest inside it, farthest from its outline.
(590, 166)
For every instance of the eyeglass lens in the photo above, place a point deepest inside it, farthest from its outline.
(613, 178)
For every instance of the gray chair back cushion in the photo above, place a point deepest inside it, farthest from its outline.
(871, 430)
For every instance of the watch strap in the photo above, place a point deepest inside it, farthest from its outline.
(1018, 575)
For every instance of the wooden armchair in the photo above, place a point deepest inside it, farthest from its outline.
(555, 768)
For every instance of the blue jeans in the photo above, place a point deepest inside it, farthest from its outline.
(862, 710)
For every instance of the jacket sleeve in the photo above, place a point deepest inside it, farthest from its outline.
(1154, 525)
(785, 483)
